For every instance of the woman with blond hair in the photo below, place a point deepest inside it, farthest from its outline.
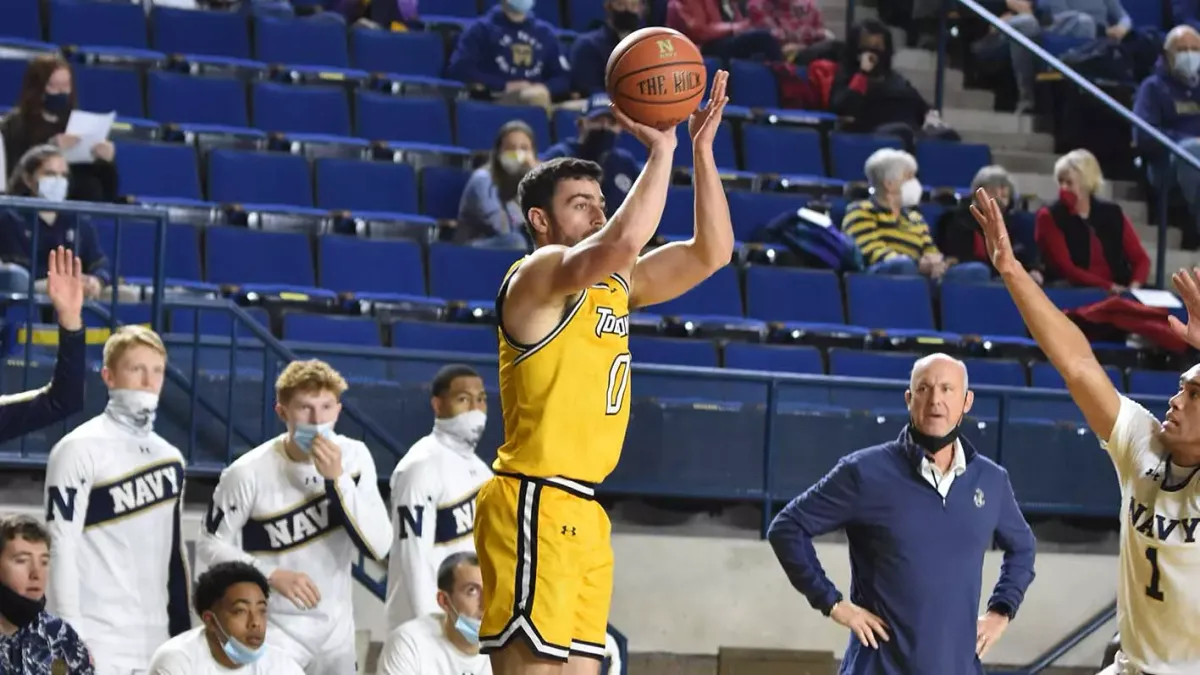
(1085, 240)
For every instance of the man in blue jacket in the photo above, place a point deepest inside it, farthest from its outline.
(590, 51)
(920, 513)
(596, 142)
(512, 54)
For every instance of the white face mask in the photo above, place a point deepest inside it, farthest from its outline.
(133, 408)
(910, 192)
(52, 188)
(465, 427)
(514, 161)
(1187, 65)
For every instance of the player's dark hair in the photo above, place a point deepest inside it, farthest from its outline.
(211, 585)
(447, 375)
(22, 527)
(537, 187)
(445, 577)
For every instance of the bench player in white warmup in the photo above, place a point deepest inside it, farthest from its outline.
(1158, 588)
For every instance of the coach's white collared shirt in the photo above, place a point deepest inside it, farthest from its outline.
(942, 481)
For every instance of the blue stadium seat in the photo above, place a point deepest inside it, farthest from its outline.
(185, 99)
(772, 358)
(381, 270)
(872, 365)
(1153, 382)
(849, 152)
(1147, 15)
(468, 273)
(413, 53)
(158, 170)
(207, 33)
(461, 9)
(102, 24)
(995, 372)
(565, 124)
(259, 178)
(301, 42)
(752, 84)
(946, 164)
(478, 123)
(678, 219)
(673, 352)
(12, 74)
(110, 89)
(441, 191)
(356, 185)
(584, 15)
(809, 299)
(719, 295)
(901, 305)
(347, 330)
(1044, 376)
(1071, 298)
(984, 310)
(752, 211)
(22, 21)
(136, 263)
(390, 118)
(789, 152)
(445, 337)
(251, 258)
(214, 322)
(300, 110)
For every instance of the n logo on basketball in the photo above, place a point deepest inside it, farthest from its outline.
(666, 48)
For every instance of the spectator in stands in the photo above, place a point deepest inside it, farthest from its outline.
(33, 641)
(959, 236)
(890, 231)
(1170, 101)
(47, 98)
(590, 51)
(720, 29)
(596, 142)
(488, 214)
(447, 642)
(1085, 19)
(42, 172)
(512, 54)
(796, 25)
(876, 97)
(1086, 240)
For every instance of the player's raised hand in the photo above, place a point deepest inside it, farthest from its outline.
(1187, 285)
(64, 285)
(297, 587)
(327, 458)
(989, 216)
(660, 139)
(703, 124)
(862, 623)
(988, 630)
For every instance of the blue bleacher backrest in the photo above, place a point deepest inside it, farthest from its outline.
(215, 322)
(565, 123)
(390, 118)
(1073, 298)
(980, 310)
(875, 365)
(885, 301)
(718, 295)
(463, 9)
(234, 255)
(1153, 382)
(946, 164)
(995, 372)
(137, 249)
(303, 110)
(1146, 14)
(350, 264)
(203, 32)
(1044, 376)
(445, 337)
(724, 147)
(769, 149)
(301, 42)
(849, 152)
(467, 273)
(441, 190)
(12, 75)
(773, 358)
(22, 20)
(366, 186)
(258, 178)
(478, 123)
(752, 211)
(584, 15)
(185, 99)
(673, 352)
(104, 90)
(107, 24)
(349, 330)
(784, 294)
(752, 84)
(678, 214)
(411, 53)
(158, 170)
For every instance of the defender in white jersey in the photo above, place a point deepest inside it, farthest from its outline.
(433, 494)
(231, 599)
(297, 507)
(113, 499)
(1158, 589)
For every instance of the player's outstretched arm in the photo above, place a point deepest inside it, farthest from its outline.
(672, 270)
(1061, 340)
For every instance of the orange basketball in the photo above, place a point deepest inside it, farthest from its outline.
(656, 76)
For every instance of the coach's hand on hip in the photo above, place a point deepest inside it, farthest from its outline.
(327, 457)
(863, 623)
(989, 629)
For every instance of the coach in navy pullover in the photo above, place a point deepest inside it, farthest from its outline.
(915, 556)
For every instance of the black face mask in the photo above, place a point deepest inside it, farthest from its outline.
(932, 444)
(19, 610)
(624, 21)
(596, 143)
(56, 104)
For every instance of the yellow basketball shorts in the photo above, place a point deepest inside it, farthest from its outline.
(545, 551)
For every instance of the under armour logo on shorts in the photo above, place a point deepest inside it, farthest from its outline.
(566, 528)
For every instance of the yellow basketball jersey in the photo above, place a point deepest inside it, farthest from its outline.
(565, 399)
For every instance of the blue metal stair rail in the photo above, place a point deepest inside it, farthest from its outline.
(1085, 630)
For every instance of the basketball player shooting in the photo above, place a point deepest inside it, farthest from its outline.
(1158, 604)
(543, 541)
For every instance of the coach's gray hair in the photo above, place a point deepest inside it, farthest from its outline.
(888, 164)
(924, 361)
(993, 176)
(30, 162)
(1176, 33)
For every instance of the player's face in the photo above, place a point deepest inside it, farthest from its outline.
(309, 407)
(25, 567)
(1181, 427)
(139, 367)
(243, 614)
(937, 399)
(467, 598)
(464, 395)
(576, 212)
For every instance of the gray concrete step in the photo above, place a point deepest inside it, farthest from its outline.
(1024, 161)
(1045, 187)
(968, 99)
(986, 120)
(1005, 141)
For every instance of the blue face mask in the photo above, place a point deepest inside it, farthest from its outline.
(305, 433)
(236, 651)
(521, 6)
(468, 628)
